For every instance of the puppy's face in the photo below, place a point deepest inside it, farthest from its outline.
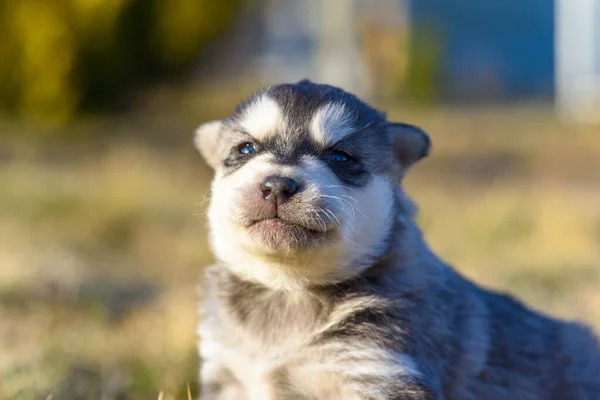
(305, 185)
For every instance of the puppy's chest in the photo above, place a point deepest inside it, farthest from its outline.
(271, 343)
(326, 344)
(270, 352)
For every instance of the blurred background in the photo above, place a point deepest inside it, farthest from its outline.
(102, 196)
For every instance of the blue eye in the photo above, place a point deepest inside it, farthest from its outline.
(247, 148)
(339, 156)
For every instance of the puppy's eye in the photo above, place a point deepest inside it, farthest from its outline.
(339, 156)
(247, 148)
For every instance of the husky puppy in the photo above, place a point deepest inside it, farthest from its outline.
(324, 286)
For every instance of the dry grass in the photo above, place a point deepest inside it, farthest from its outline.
(100, 250)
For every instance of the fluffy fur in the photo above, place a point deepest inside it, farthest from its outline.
(333, 294)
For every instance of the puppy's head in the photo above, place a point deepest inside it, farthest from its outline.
(306, 183)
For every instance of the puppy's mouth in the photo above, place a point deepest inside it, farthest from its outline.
(278, 223)
(277, 233)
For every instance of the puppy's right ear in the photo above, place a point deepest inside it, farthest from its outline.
(206, 140)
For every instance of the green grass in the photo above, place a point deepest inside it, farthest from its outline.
(102, 243)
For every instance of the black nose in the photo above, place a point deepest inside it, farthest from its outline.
(278, 188)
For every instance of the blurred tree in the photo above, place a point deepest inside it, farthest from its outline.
(385, 38)
(423, 74)
(58, 57)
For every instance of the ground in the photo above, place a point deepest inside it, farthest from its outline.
(102, 240)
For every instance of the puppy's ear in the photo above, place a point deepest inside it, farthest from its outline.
(410, 143)
(206, 140)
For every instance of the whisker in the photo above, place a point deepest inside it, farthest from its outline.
(352, 207)
(350, 197)
(333, 215)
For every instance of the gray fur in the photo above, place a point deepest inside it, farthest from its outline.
(404, 326)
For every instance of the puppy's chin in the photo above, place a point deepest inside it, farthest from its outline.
(280, 237)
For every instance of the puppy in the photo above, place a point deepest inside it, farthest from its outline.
(324, 287)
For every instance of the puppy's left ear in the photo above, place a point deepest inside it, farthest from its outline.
(206, 140)
(410, 143)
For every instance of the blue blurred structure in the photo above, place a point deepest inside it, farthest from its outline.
(433, 50)
(491, 49)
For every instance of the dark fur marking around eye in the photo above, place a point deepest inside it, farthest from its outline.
(236, 160)
(351, 173)
(289, 151)
(299, 103)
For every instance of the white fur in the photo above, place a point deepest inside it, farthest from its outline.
(321, 379)
(361, 213)
(330, 124)
(263, 118)
(206, 142)
(204, 133)
(312, 371)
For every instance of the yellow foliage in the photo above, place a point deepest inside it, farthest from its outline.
(59, 56)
